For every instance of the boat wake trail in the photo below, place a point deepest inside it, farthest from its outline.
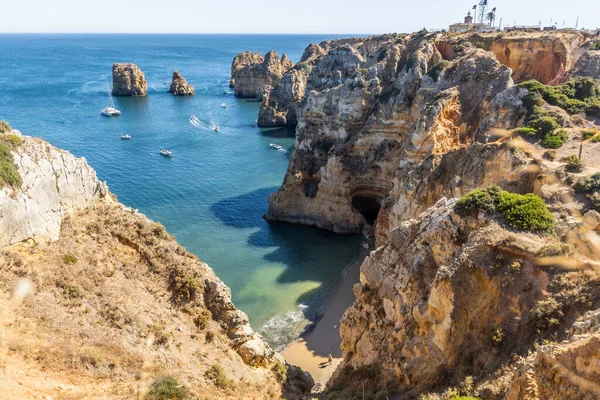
(283, 329)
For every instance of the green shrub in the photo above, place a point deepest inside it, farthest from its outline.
(556, 139)
(546, 314)
(69, 259)
(185, 286)
(573, 163)
(596, 46)
(9, 172)
(201, 320)
(4, 127)
(591, 133)
(167, 388)
(218, 376)
(528, 211)
(543, 125)
(435, 71)
(592, 183)
(575, 96)
(526, 131)
(480, 45)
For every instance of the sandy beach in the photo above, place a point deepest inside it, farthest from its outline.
(311, 351)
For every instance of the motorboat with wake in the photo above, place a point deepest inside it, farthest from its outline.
(275, 146)
(166, 153)
(216, 129)
(125, 137)
(110, 110)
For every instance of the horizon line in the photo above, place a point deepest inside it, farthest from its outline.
(189, 33)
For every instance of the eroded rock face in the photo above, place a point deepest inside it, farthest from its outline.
(55, 184)
(450, 296)
(588, 64)
(250, 75)
(243, 60)
(357, 125)
(128, 80)
(566, 370)
(179, 86)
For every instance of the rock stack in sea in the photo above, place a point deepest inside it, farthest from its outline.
(179, 86)
(251, 75)
(128, 80)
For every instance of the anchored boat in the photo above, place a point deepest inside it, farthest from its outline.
(110, 110)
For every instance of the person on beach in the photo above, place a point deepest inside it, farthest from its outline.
(330, 358)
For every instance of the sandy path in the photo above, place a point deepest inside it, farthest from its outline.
(310, 352)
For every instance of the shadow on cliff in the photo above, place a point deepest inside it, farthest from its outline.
(309, 254)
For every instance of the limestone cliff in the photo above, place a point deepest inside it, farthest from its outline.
(179, 86)
(118, 306)
(452, 295)
(251, 75)
(128, 80)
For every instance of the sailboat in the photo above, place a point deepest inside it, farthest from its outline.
(110, 109)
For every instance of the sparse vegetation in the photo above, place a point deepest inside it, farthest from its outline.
(185, 286)
(216, 374)
(201, 320)
(556, 249)
(168, 388)
(161, 337)
(573, 163)
(528, 211)
(526, 131)
(437, 69)
(480, 45)
(92, 357)
(546, 314)
(70, 259)
(592, 134)
(9, 172)
(73, 290)
(280, 371)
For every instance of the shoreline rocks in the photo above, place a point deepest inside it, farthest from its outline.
(179, 86)
(128, 80)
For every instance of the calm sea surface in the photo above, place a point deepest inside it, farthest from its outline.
(212, 194)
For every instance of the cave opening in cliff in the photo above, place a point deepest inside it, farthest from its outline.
(368, 207)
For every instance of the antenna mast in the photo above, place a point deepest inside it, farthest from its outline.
(483, 5)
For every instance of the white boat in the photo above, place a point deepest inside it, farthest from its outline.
(275, 146)
(125, 137)
(216, 129)
(224, 105)
(166, 153)
(110, 110)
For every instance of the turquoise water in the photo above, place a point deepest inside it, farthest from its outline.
(212, 194)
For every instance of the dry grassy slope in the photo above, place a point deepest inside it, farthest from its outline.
(132, 307)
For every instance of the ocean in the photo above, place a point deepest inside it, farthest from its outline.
(211, 195)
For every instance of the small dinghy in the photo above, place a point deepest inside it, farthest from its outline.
(125, 137)
(216, 129)
(224, 105)
(166, 153)
(275, 146)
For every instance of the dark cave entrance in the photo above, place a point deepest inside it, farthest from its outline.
(368, 207)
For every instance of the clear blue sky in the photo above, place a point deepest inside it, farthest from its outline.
(282, 16)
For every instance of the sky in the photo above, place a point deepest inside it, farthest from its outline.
(263, 16)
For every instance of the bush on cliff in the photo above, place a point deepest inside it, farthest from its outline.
(4, 127)
(592, 134)
(9, 173)
(575, 96)
(555, 139)
(168, 388)
(520, 211)
(435, 71)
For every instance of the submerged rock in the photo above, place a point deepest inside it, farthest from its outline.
(128, 80)
(179, 86)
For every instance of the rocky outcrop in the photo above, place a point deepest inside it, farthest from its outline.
(243, 60)
(588, 64)
(56, 184)
(451, 296)
(251, 76)
(566, 370)
(128, 80)
(179, 86)
(358, 124)
(281, 105)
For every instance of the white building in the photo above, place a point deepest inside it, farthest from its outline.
(468, 25)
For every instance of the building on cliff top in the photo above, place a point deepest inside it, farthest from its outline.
(469, 25)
